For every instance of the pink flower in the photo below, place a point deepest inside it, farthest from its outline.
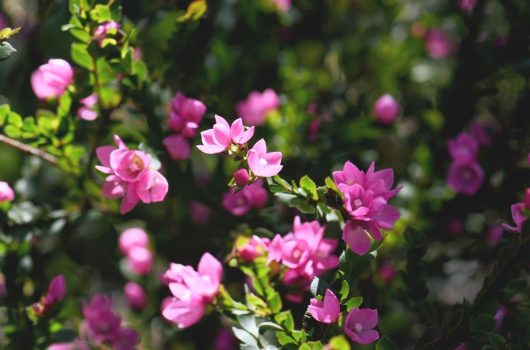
(495, 234)
(438, 43)
(140, 260)
(199, 213)
(264, 164)
(222, 135)
(186, 115)
(386, 109)
(103, 324)
(177, 146)
(387, 272)
(104, 29)
(130, 176)
(518, 215)
(56, 290)
(241, 177)
(282, 5)
(463, 148)
(87, 111)
(131, 238)
(255, 108)
(304, 252)
(359, 325)
(6, 192)
(467, 6)
(326, 310)
(135, 295)
(126, 339)
(249, 249)
(465, 177)
(253, 196)
(225, 340)
(501, 313)
(192, 290)
(52, 79)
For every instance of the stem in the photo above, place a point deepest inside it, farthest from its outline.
(29, 149)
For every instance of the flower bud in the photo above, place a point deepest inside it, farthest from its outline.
(56, 290)
(135, 295)
(386, 109)
(140, 260)
(133, 237)
(241, 177)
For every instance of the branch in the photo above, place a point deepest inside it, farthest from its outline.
(28, 149)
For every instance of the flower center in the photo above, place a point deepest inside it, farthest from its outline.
(263, 162)
(137, 164)
(358, 327)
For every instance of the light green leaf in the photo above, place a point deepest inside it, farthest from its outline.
(81, 56)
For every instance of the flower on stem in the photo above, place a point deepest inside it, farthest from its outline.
(52, 79)
(463, 148)
(257, 106)
(222, 136)
(252, 196)
(518, 215)
(186, 115)
(87, 111)
(326, 310)
(263, 163)
(56, 290)
(465, 177)
(359, 325)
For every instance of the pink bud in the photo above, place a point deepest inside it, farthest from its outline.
(326, 310)
(6, 192)
(52, 79)
(140, 260)
(386, 109)
(135, 295)
(56, 290)
(133, 237)
(241, 177)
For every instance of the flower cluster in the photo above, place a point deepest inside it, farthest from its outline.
(184, 119)
(304, 252)
(192, 290)
(52, 79)
(365, 198)
(258, 105)
(239, 203)
(130, 176)
(465, 174)
(134, 245)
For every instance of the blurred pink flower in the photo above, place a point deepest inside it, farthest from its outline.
(222, 135)
(518, 214)
(225, 340)
(467, 6)
(186, 115)
(359, 325)
(249, 197)
(495, 234)
(135, 295)
(480, 133)
(131, 238)
(104, 29)
(386, 109)
(261, 163)
(192, 290)
(499, 316)
(326, 310)
(463, 148)
(6, 192)
(56, 290)
(140, 260)
(199, 213)
(255, 108)
(177, 146)
(87, 111)
(52, 79)
(438, 43)
(465, 177)
(387, 272)
(282, 5)
(249, 249)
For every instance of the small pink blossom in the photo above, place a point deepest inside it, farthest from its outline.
(359, 325)
(480, 133)
(465, 177)
(249, 249)
(467, 6)
(257, 106)
(199, 213)
(463, 148)
(241, 177)
(6, 192)
(104, 29)
(501, 313)
(140, 260)
(253, 196)
(186, 115)
(438, 43)
(282, 5)
(135, 295)
(177, 146)
(222, 135)
(52, 79)
(192, 290)
(56, 290)
(87, 111)
(131, 238)
(264, 164)
(518, 215)
(326, 310)
(386, 109)
(387, 272)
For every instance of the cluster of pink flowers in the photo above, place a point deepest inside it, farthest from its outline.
(105, 29)
(359, 323)
(130, 176)
(184, 119)
(192, 290)
(134, 245)
(56, 292)
(6, 192)
(304, 252)
(257, 106)
(386, 109)
(365, 198)
(88, 110)
(239, 203)
(438, 43)
(465, 174)
(52, 79)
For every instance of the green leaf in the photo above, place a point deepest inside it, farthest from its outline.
(65, 102)
(339, 343)
(101, 13)
(6, 50)
(244, 337)
(284, 339)
(310, 186)
(482, 324)
(344, 290)
(12, 131)
(194, 11)
(110, 97)
(14, 119)
(331, 184)
(354, 265)
(385, 344)
(81, 35)
(275, 303)
(81, 56)
(353, 303)
(104, 71)
(285, 318)
(248, 323)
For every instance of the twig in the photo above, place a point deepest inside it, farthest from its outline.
(28, 149)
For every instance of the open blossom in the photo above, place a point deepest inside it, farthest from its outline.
(386, 109)
(177, 146)
(463, 148)
(56, 290)
(192, 290)
(305, 252)
(366, 198)
(186, 115)
(222, 135)
(253, 196)
(104, 29)
(518, 215)
(52, 79)
(6, 192)
(130, 176)
(255, 108)
(465, 177)
(438, 43)
(264, 164)
(359, 325)
(326, 310)
(87, 111)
